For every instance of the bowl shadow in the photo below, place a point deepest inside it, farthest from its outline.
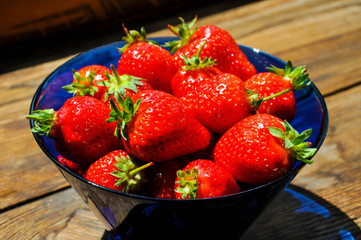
(297, 214)
(300, 214)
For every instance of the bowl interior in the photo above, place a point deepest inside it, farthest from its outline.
(311, 108)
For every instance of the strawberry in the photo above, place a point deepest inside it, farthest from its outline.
(276, 80)
(72, 166)
(116, 170)
(145, 59)
(86, 81)
(124, 85)
(204, 179)
(161, 177)
(261, 148)
(217, 100)
(158, 127)
(79, 129)
(220, 46)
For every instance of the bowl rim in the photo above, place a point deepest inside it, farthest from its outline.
(320, 139)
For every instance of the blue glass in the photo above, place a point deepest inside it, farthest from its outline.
(130, 216)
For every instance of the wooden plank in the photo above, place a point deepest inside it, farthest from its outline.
(83, 225)
(41, 219)
(336, 172)
(331, 51)
(334, 177)
(323, 35)
(26, 172)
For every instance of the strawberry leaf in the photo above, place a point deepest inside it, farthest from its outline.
(133, 36)
(184, 32)
(122, 114)
(117, 85)
(44, 121)
(128, 173)
(295, 142)
(297, 76)
(82, 86)
(188, 183)
(195, 62)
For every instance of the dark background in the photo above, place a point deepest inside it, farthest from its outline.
(83, 30)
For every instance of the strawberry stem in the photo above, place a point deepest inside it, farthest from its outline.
(256, 101)
(128, 173)
(141, 168)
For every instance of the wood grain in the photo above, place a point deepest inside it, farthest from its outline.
(26, 172)
(41, 219)
(36, 202)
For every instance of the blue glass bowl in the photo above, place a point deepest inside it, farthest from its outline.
(129, 216)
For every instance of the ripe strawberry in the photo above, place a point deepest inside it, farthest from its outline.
(86, 81)
(261, 148)
(204, 179)
(220, 46)
(124, 85)
(72, 166)
(158, 127)
(161, 177)
(116, 170)
(145, 59)
(268, 83)
(79, 129)
(217, 100)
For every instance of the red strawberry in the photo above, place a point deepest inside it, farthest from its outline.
(79, 129)
(217, 100)
(124, 85)
(220, 46)
(72, 166)
(161, 177)
(158, 127)
(116, 170)
(204, 179)
(145, 59)
(85, 82)
(261, 148)
(268, 83)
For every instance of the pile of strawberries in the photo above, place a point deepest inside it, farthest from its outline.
(194, 121)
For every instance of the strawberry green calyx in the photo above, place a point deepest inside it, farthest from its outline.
(188, 183)
(128, 173)
(79, 88)
(133, 36)
(184, 32)
(295, 142)
(297, 76)
(195, 61)
(117, 84)
(256, 101)
(122, 115)
(44, 121)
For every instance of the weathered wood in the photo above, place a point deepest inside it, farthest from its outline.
(324, 35)
(336, 172)
(41, 219)
(82, 225)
